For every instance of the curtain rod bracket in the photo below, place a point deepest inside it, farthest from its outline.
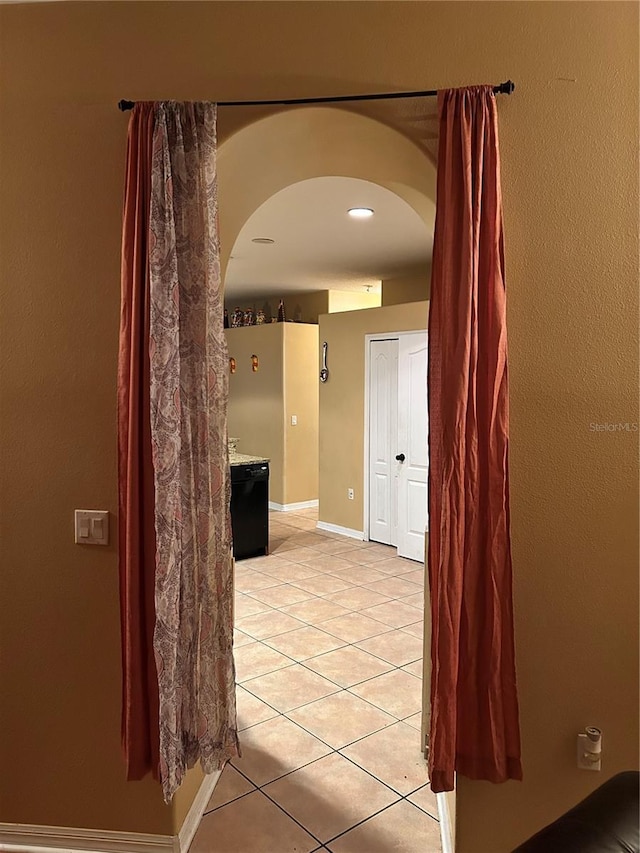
(503, 89)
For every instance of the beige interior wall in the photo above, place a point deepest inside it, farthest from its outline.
(349, 300)
(570, 178)
(411, 287)
(261, 404)
(342, 405)
(256, 414)
(306, 307)
(184, 797)
(301, 372)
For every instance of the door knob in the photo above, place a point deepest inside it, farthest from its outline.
(400, 457)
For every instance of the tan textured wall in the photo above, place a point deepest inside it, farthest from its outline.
(569, 167)
(349, 300)
(184, 797)
(256, 415)
(305, 307)
(407, 288)
(261, 404)
(342, 404)
(301, 382)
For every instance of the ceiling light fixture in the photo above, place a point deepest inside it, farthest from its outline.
(360, 212)
(264, 241)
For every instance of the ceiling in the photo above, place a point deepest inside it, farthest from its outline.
(318, 246)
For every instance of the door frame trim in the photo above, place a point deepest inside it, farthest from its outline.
(374, 336)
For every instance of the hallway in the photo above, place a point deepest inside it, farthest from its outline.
(328, 649)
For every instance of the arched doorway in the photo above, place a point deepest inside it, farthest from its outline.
(289, 147)
(254, 165)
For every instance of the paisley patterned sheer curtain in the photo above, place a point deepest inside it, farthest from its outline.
(474, 705)
(188, 391)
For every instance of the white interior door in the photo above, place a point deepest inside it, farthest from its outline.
(412, 449)
(383, 427)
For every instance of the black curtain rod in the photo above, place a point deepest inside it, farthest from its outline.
(503, 89)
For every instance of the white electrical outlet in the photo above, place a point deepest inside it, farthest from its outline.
(294, 420)
(589, 749)
(350, 494)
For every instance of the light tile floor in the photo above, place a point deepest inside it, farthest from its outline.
(328, 649)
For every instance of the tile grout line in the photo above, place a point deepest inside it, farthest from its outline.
(400, 797)
(315, 625)
(332, 748)
(345, 689)
(324, 595)
(361, 822)
(353, 645)
(393, 667)
(260, 788)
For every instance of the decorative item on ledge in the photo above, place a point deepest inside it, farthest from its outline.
(260, 318)
(226, 319)
(232, 365)
(237, 318)
(248, 317)
(282, 317)
(254, 363)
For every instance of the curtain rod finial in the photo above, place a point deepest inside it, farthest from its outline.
(126, 105)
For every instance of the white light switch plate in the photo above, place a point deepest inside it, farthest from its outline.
(91, 527)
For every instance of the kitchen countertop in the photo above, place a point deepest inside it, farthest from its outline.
(236, 458)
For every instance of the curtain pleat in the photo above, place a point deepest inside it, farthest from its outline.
(136, 493)
(474, 706)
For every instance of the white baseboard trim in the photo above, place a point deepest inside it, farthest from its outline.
(31, 838)
(446, 830)
(343, 531)
(292, 507)
(194, 815)
(27, 838)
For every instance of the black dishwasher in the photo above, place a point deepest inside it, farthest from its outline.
(250, 509)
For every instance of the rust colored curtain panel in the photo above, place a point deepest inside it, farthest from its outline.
(474, 706)
(176, 568)
(137, 540)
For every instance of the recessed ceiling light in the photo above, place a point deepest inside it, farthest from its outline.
(264, 241)
(360, 212)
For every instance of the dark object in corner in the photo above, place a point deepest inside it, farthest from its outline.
(250, 509)
(605, 822)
